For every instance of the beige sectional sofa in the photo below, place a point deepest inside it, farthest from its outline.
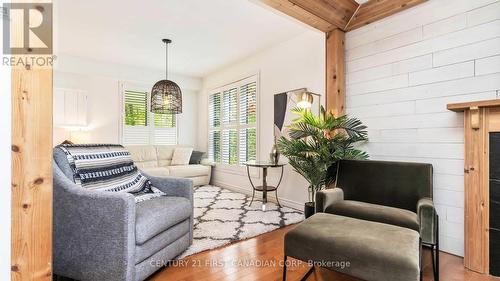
(156, 159)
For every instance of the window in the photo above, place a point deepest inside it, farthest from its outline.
(232, 122)
(140, 126)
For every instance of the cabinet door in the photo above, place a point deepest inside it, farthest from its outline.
(70, 108)
(82, 109)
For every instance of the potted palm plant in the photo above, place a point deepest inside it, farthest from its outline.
(317, 143)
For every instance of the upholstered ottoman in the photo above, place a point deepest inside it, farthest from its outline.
(359, 248)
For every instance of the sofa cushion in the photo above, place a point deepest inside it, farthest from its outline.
(196, 157)
(181, 156)
(188, 171)
(156, 171)
(157, 215)
(164, 154)
(144, 156)
(376, 213)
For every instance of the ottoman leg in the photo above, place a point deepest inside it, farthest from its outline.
(284, 269)
(307, 273)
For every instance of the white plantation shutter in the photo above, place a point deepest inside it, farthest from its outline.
(248, 103)
(214, 140)
(135, 135)
(234, 140)
(135, 127)
(248, 145)
(230, 106)
(214, 134)
(140, 126)
(230, 147)
(214, 113)
(165, 130)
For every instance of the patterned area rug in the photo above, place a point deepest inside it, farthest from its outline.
(222, 216)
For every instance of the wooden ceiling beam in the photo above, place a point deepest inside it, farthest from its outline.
(336, 12)
(300, 14)
(374, 10)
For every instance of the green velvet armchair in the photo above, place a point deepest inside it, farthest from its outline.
(395, 193)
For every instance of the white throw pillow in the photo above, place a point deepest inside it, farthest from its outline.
(181, 156)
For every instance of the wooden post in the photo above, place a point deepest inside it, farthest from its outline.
(31, 255)
(335, 72)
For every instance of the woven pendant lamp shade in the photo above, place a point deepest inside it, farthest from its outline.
(166, 95)
(166, 98)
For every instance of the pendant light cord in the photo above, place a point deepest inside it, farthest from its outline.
(166, 61)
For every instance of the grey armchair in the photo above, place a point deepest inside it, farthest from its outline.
(395, 193)
(107, 236)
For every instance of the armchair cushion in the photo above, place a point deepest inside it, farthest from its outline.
(160, 241)
(375, 213)
(159, 214)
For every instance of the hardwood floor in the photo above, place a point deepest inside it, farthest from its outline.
(260, 258)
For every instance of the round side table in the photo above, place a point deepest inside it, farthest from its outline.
(264, 188)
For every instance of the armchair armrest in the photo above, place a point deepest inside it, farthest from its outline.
(207, 162)
(327, 197)
(172, 186)
(94, 232)
(428, 220)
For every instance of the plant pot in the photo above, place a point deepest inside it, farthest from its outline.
(309, 209)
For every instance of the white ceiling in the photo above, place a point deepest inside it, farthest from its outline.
(206, 34)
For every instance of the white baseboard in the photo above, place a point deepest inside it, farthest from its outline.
(284, 202)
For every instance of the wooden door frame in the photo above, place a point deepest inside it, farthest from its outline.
(31, 206)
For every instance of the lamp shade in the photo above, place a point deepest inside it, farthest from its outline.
(166, 98)
(305, 100)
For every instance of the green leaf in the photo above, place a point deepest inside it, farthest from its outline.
(317, 143)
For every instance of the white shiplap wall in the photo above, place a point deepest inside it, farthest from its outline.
(401, 73)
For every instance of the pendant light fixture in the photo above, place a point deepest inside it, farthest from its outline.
(166, 95)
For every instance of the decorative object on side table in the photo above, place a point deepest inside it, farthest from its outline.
(274, 156)
(317, 143)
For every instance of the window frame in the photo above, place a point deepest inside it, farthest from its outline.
(142, 88)
(235, 168)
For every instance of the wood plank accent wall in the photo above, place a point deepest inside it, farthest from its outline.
(31, 255)
(335, 72)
